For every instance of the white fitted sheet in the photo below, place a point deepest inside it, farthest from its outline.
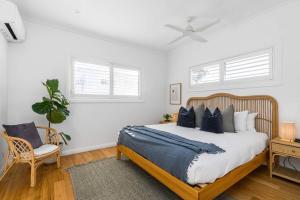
(239, 148)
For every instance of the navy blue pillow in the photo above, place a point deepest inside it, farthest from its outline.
(212, 122)
(27, 132)
(186, 118)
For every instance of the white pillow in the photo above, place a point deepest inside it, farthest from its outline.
(251, 122)
(240, 120)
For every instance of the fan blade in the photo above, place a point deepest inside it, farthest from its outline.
(179, 38)
(175, 28)
(200, 29)
(194, 36)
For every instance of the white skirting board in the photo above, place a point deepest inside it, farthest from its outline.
(90, 148)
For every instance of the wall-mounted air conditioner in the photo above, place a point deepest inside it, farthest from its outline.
(11, 24)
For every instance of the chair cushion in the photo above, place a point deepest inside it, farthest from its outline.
(44, 149)
(26, 131)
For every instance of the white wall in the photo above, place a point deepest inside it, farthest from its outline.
(46, 54)
(3, 91)
(278, 28)
(275, 28)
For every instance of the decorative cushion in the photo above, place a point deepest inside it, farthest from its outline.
(251, 122)
(45, 148)
(186, 118)
(240, 120)
(212, 122)
(26, 131)
(199, 112)
(228, 119)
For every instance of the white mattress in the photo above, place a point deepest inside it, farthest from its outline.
(239, 148)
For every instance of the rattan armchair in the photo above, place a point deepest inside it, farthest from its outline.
(21, 151)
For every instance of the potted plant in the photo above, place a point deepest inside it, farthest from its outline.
(54, 107)
(167, 117)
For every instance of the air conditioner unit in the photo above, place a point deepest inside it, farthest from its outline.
(11, 24)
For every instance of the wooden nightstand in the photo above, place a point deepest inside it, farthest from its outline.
(283, 148)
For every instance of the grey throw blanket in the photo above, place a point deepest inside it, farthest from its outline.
(168, 151)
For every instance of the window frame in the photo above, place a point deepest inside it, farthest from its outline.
(237, 83)
(77, 98)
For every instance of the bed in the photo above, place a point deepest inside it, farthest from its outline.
(227, 168)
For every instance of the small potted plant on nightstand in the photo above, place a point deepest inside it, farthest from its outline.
(166, 118)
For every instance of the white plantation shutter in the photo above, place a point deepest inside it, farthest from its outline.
(245, 69)
(251, 66)
(126, 82)
(205, 74)
(91, 79)
(104, 81)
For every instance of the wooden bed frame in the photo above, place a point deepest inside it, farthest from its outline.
(266, 122)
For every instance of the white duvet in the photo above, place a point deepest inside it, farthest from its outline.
(239, 148)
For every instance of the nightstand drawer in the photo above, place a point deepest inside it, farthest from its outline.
(286, 149)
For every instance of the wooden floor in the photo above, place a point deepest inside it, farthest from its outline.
(55, 183)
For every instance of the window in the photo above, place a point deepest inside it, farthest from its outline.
(90, 79)
(257, 65)
(126, 82)
(205, 74)
(104, 81)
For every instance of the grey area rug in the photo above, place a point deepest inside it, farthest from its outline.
(112, 179)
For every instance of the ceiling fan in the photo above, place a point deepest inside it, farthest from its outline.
(190, 31)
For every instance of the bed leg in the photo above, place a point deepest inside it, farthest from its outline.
(118, 156)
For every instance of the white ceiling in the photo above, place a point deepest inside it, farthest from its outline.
(138, 21)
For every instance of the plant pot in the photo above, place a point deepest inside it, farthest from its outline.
(52, 160)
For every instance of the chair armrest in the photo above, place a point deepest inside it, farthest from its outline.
(51, 137)
(21, 148)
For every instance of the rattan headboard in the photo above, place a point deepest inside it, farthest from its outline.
(265, 106)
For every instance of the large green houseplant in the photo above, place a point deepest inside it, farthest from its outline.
(55, 106)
